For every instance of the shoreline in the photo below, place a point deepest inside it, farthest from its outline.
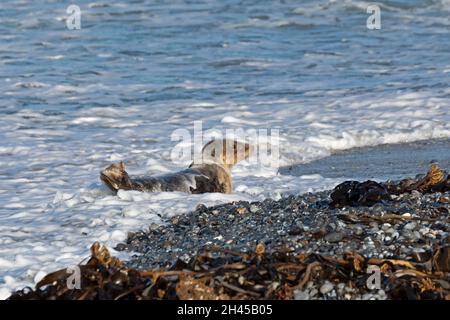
(409, 228)
(407, 239)
(381, 162)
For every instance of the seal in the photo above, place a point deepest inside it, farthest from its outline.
(211, 174)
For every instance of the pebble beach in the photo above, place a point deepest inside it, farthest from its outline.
(408, 228)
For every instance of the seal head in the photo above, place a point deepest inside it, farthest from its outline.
(225, 152)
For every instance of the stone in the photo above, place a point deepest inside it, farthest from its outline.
(410, 226)
(334, 237)
(326, 288)
(301, 295)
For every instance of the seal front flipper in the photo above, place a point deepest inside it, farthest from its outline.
(212, 178)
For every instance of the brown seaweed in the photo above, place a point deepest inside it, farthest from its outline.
(216, 273)
(368, 193)
(354, 193)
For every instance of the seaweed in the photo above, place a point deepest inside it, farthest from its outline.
(368, 193)
(218, 273)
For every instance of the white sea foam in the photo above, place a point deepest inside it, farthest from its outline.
(61, 208)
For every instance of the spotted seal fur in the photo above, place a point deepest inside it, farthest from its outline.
(212, 174)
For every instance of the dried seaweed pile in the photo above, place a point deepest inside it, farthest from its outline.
(367, 193)
(216, 273)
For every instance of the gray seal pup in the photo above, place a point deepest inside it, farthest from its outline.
(211, 174)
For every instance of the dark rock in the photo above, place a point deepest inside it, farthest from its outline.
(354, 193)
(334, 237)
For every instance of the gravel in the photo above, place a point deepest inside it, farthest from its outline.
(407, 227)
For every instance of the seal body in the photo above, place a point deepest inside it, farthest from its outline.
(212, 174)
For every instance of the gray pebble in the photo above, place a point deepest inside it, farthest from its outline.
(334, 237)
(326, 287)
